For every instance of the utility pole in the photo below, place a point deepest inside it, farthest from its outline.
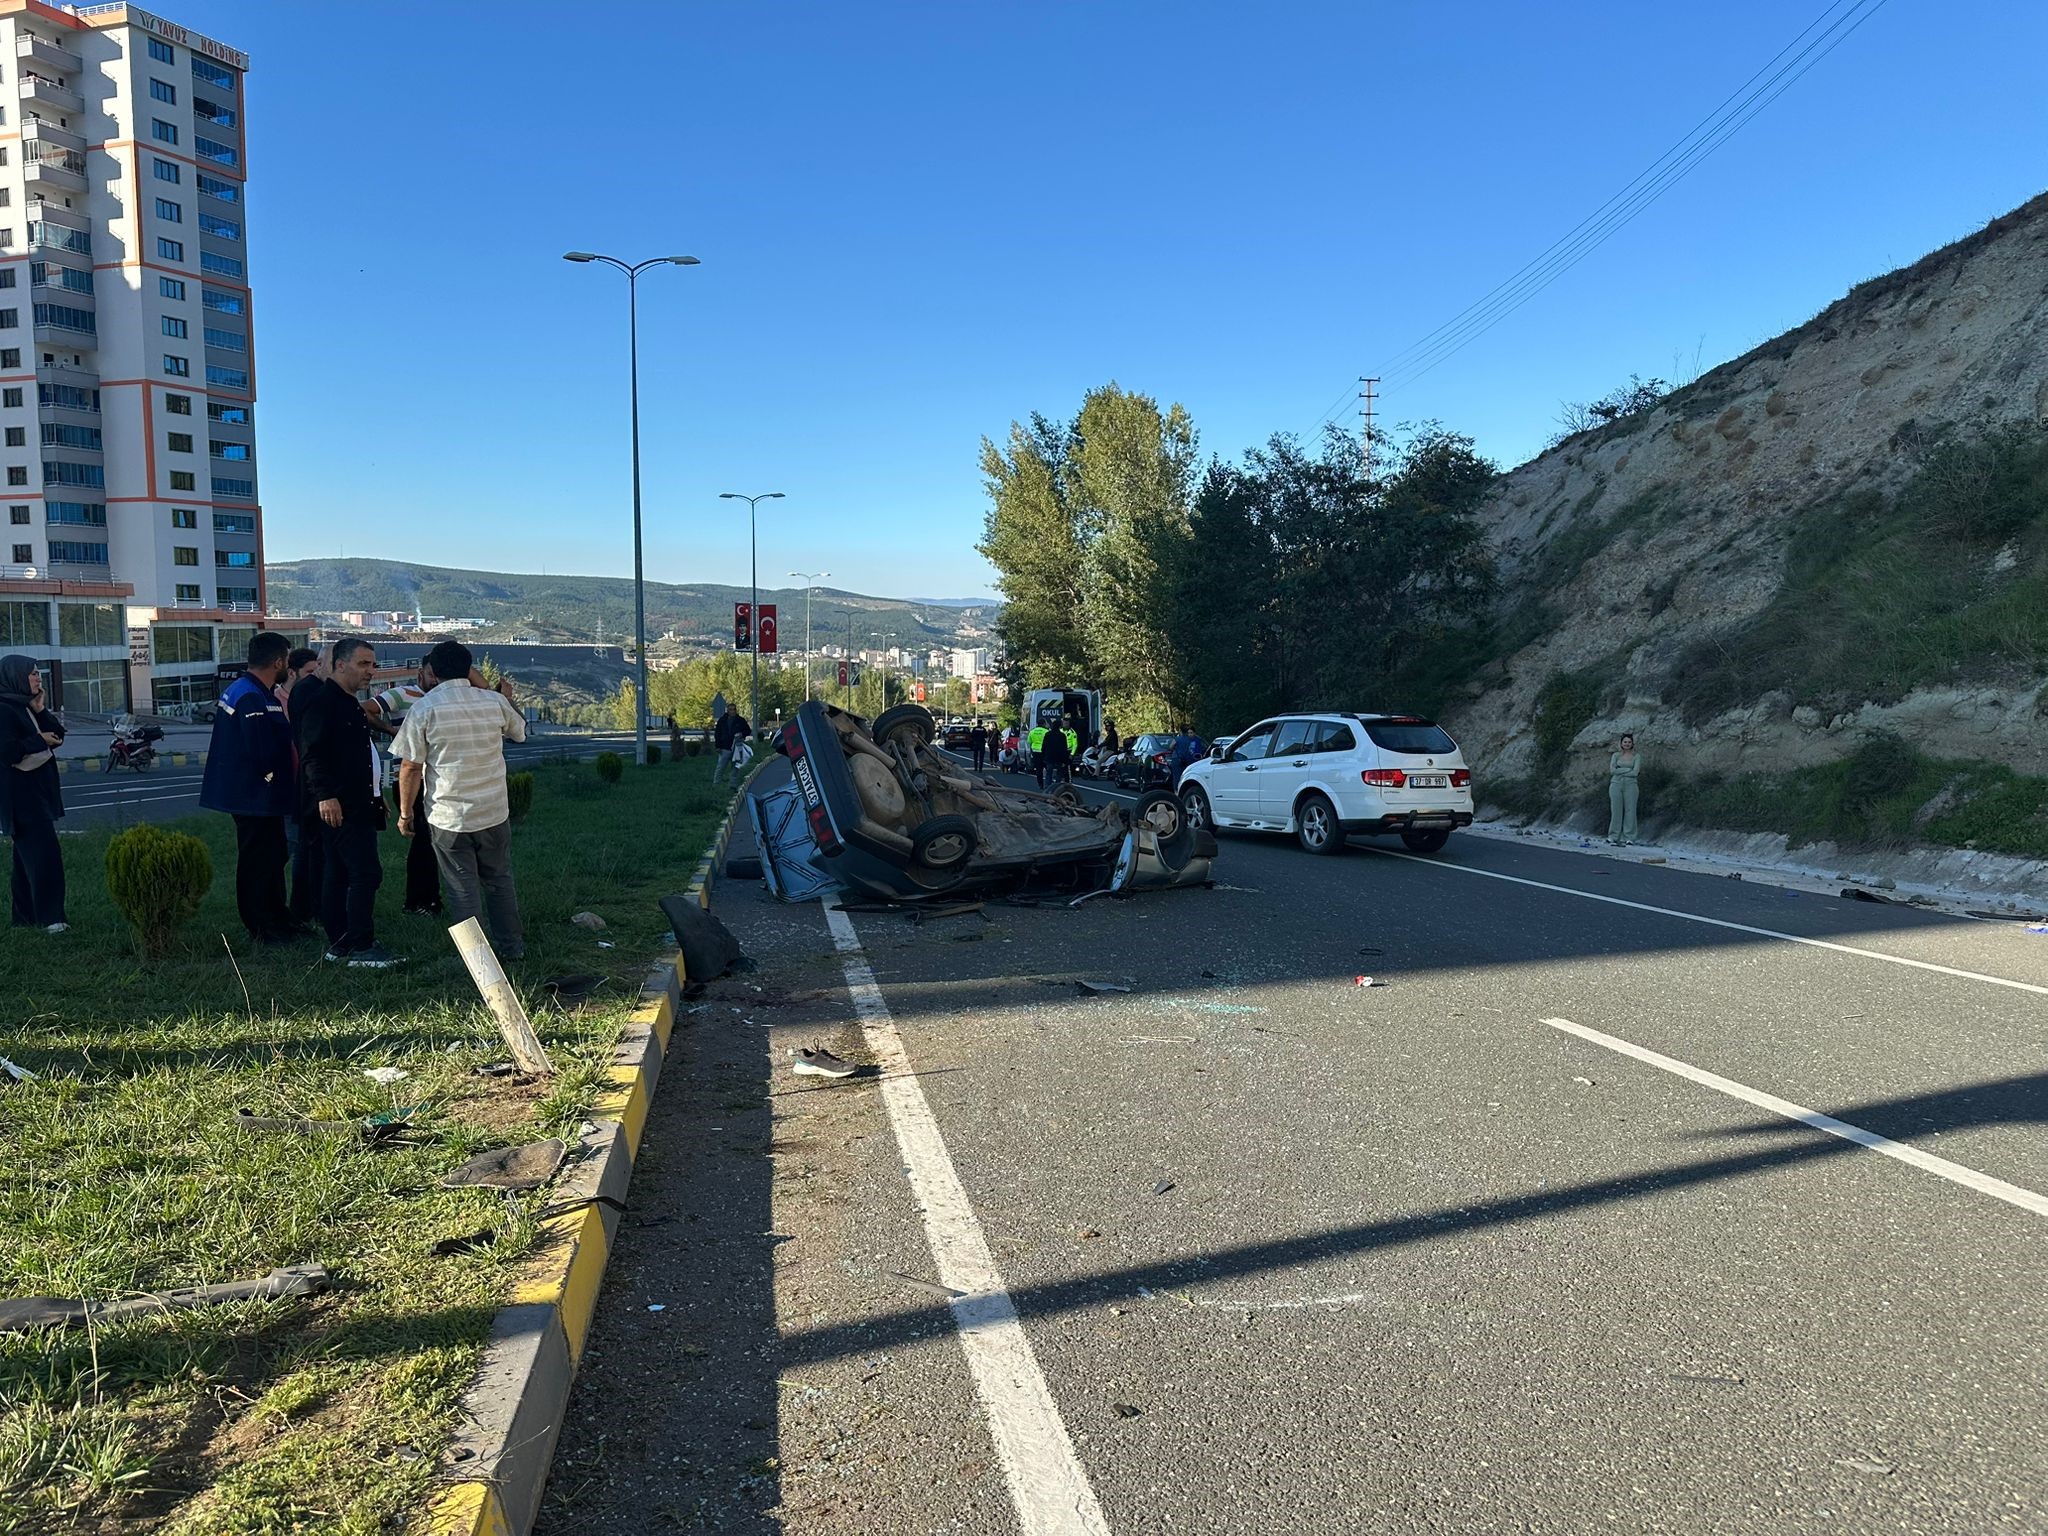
(1368, 395)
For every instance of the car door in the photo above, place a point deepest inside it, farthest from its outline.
(1289, 766)
(1233, 784)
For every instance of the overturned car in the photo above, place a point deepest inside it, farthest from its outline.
(873, 808)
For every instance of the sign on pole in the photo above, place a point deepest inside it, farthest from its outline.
(743, 626)
(842, 674)
(854, 671)
(920, 693)
(764, 629)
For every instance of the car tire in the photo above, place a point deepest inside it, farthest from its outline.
(1427, 842)
(1194, 804)
(1315, 825)
(1205, 843)
(1176, 834)
(944, 843)
(914, 718)
(1068, 796)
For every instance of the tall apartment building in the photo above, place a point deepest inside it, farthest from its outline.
(127, 392)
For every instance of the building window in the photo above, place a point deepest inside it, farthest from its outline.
(184, 480)
(45, 274)
(10, 319)
(24, 623)
(88, 624)
(66, 317)
(10, 357)
(10, 396)
(162, 51)
(181, 442)
(227, 378)
(73, 397)
(163, 90)
(223, 229)
(226, 303)
(234, 559)
(17, 437)
(173, 326)
(178, 405)
(220, 266)
(212, 73)
(169, 250)
(170, 287)
(238, 452)
(213, 112)
(6, 277)
(166, 133)
(214, 150)
(227, 341)
(18, 516)
(78, 514)
(184, 642)
(184, 517)
(234, 490)
(58, 236)
(64, 472)
(177, 367)
(236, 415)
(17, 474)
(63, 436)
(72, 552)
(238, 597)
(234, 522)
(169, 170)
(185, 554)
(169, 212)
(24, 554)
(188, 592)
(213, 186)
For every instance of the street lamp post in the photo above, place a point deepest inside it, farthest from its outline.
(633, 271)
(811, 580)
(754, 566)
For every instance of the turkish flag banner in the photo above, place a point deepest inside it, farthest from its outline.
(842, 674)
(764, 629)
(743, 626)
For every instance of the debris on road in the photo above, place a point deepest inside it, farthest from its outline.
(709, 949)
(1125, 1410)
(1587, 1081)
(384, 1077)
(1369, 981)
(16, 1074)
(589, 920)
(61, 1312)
(467, 1242)
(1163, 1186)
(926, 1286)
(1857, 893)
(809, 1062)
(1096, 988)
(495, 1069)
(509, 1168)
(657, 1306)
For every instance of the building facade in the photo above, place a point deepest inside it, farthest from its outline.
(127, 376)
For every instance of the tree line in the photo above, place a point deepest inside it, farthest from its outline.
(1213, 593)
(686, 691)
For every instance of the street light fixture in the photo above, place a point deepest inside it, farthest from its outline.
(811, 580)
(633, 271)
(754, 565)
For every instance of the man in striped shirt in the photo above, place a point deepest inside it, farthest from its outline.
(452, 747)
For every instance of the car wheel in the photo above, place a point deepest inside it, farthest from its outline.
(1426, 842)
(1160, 812)
(913, 718)
(944, 842)
(1195, 805)
(1315, 825)
(1067, 798)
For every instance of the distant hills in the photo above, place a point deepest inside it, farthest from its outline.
(577, 608)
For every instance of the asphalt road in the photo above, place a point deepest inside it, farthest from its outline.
(163, 793)
(1521, 1241)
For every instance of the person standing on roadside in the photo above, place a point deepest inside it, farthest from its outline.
(31, 800)
(451, 753)
(1624, 768)
(977, 741)
(302, 670)
(1185, 752)
(1056, 755)
(732, 729)
(387, 712)
(338, 773)
(248, 776)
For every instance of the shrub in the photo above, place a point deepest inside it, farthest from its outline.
(519, 792)
(157, 879)
(610, 766)
(653, 754)
(1566, 705)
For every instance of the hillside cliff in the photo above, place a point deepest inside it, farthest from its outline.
(1842, 532)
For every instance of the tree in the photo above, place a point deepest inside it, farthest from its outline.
(1220, 612)
(1638, 394)
(1034, 541)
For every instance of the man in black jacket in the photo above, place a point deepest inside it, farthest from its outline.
(249, 776)
(731, 730)
(338, 775)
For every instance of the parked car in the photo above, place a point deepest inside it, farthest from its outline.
(957, 735)
(875, 809)
(1143, 763)
(1326, 777)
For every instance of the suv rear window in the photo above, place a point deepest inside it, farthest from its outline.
(1418, 738)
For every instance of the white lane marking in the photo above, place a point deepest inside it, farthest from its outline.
(1926, 1162)
(1051, 1492)
(1716, 922)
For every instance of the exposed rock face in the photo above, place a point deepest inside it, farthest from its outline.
(1699, 489)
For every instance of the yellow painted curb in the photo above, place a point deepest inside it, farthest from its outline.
(466, 1509)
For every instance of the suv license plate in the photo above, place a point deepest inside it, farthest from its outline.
(1429, 781)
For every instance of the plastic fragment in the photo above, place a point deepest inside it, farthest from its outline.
(1369, 981)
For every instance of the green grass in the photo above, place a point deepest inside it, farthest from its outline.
(121, 1172)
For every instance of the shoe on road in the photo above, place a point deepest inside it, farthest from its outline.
(810, 1063)
(374, 958)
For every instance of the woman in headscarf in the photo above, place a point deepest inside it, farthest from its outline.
(30, 801)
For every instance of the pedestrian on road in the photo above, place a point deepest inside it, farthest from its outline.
(1110, 745)
(249, 776)
(1185, 753)
(387, 712)
(1056, 757)
(31, 800)
(977, 741)
(302, 669)
(338, 778)
(451, 752)
(732, 729)
(1624, 767)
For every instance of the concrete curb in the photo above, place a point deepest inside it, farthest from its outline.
(496, 1467)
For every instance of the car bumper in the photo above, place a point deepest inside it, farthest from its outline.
(1421, 819)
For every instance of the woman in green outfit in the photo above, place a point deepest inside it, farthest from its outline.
(1622, 769)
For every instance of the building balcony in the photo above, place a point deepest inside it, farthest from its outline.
(35, 131)
(48, 334)
(55, 172)
(78, 570)
(42, 91)
(58, 61)
(44, 210)
(65, 376)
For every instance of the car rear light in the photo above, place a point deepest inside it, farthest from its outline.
(1461, 778)
(821, 830)
(1384, 778)
(792, 742)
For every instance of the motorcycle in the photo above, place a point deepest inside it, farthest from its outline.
(134, 747)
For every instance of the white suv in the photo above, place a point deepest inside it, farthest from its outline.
(1326, 777)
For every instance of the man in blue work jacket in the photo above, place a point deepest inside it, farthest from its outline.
(249, 777)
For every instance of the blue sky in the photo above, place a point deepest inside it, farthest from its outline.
(920, 222)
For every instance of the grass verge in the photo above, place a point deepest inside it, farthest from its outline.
(122, 1171)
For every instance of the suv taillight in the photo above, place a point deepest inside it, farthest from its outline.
(1384, 778)
(1461, 778)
